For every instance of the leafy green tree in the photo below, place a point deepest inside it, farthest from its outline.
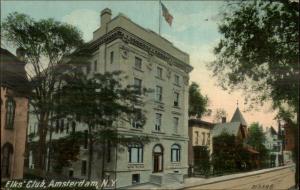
(43, 44)
(197, 102)
(203, 163)
(228, 155)
(259, 52)
(103, 104)
(256, 139)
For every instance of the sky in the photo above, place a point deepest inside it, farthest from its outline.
(194, 30)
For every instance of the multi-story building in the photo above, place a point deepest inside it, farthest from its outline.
(14, 110)
(288, 142)
(149, 61)
(274, 145)
(200, 140)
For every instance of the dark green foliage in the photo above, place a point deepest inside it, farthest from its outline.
(202, 164)
(44, 44)
(197, 102)
(229, 157)
(102, 103)
(259, 51)
(256, 139)
(65, 150)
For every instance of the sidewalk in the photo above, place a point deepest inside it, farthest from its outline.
(190, 182)
(194, 181)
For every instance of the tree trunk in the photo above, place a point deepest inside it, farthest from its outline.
(42, 131)
(103, 159)
(296, 152)
(91, 150)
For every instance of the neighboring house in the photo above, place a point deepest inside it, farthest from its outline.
(274, 145)
(289, 142)
(149, 61)
(14, 112)
(237, 127)
(200, 137)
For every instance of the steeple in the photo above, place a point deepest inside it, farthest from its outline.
(238, 117)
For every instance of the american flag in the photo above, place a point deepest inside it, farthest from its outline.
(166, 14)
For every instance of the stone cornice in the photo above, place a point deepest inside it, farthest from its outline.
(129, 38)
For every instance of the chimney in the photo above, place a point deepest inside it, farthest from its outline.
(105, 16)
(20, 52)
(223, 119)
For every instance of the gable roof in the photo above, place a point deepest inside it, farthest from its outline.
(231, 128)
(13, 74)
(238, 117)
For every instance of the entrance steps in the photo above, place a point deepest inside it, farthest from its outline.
(165, 179)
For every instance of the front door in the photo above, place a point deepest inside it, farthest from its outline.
(157, 159)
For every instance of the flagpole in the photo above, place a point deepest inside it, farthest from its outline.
(159, 18)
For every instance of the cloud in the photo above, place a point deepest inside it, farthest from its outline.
(86, 20)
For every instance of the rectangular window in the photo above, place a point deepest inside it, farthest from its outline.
(62, 126)
(138, 85)
(158, 122)
(175, 153)
(135, 153)
(83, 167)
(111, 57)
(158, 95)
(203, 138)
(95, 65)
(176, 79)
(137, 120)
(67, 128)
(85, 139)
(176, 123)
(208, 139)
(197, 138)
(57, 126)
(138, 63)
(176, 99)
(159, 72)
(135, 178)
(73, 127)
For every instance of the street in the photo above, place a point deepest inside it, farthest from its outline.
(278, 179)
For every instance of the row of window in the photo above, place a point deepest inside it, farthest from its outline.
(136, 153)
(95, 64)
(205, 140)
(158, 92)
(159, 71)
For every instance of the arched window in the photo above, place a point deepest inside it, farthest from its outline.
(7, 151)
(10, 113)
(136, 153)
(175, 153)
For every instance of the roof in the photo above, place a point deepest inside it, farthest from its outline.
(200, 123)
(238, 117)
(13, 74)
(231, 128)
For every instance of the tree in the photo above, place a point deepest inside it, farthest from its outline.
(259, 51)
(197, 102)
(43, 44)
(219, 114)
(257, 139)
(103, 104)
(229, 156)
(202, 164)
